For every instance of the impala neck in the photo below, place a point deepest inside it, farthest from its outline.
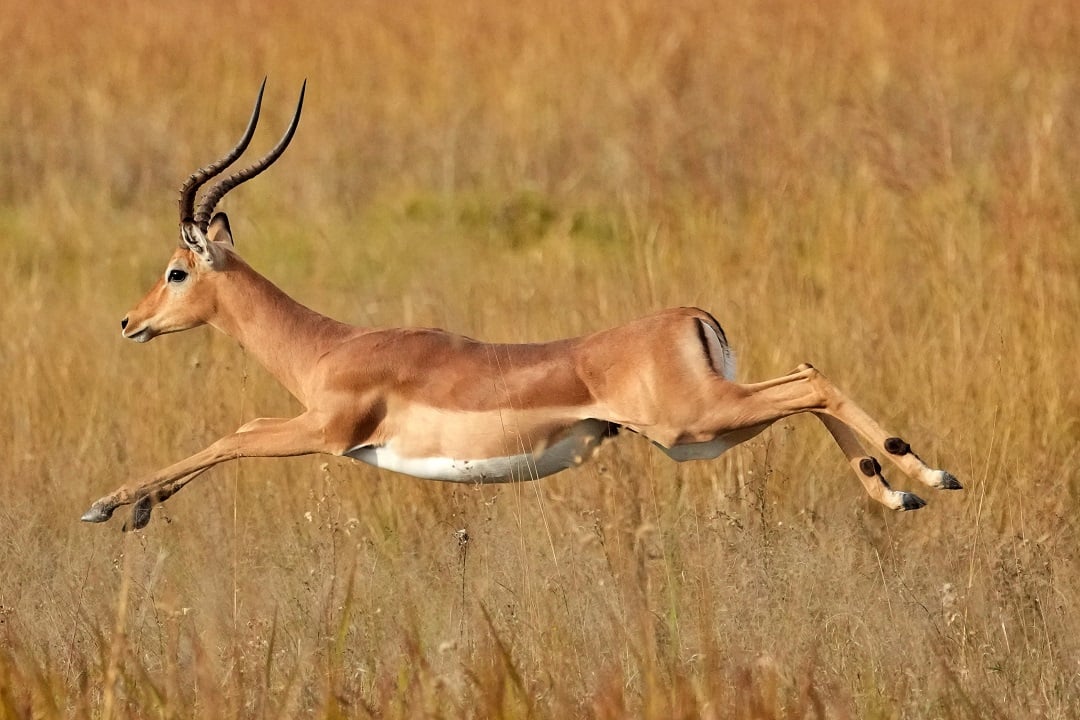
(286, 337)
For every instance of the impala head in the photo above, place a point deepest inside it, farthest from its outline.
(184, 296)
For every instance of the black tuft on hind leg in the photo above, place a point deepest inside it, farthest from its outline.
(896, 446)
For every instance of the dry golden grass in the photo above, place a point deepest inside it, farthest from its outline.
(888, 190)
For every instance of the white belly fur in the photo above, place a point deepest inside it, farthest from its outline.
(698, 451)
(712, 448)
(577, 447)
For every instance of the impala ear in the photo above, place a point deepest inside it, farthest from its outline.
(192, 238)
(219, 230)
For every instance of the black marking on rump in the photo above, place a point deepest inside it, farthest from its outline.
(716, 326)
(704, 340)
(896, 446)
(869, 466)
(719, 365)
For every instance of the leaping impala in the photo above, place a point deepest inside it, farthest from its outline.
(441, 406)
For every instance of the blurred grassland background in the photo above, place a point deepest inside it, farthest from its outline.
(887, 190)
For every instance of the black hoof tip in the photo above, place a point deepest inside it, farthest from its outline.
(912, 502)
(949, 482)
(97, 513)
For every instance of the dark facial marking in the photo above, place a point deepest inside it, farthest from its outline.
(869, 466)
(896, 446)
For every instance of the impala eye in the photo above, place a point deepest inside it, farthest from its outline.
(176, 276)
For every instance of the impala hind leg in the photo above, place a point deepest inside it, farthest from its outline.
(746, 409)
(838, 406)
(867, 468)
(266, 437)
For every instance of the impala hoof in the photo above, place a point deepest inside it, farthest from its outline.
(949, 481)
(911, 502)
(940, 480)
(98, 512)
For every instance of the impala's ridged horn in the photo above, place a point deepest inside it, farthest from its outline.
(212, 196)
(199, 177)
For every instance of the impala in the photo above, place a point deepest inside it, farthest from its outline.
(441, 406)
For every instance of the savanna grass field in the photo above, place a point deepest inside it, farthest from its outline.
(890, 191)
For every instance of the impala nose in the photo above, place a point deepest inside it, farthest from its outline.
(123, 324)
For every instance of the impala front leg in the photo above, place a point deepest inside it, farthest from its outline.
(265, 437)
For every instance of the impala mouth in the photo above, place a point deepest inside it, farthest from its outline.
(143, 335)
